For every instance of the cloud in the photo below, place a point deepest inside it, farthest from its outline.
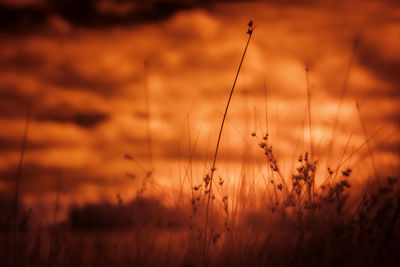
(84, 119)
(27, 18)
(14, 144)
(66, 76)
(22, 3)
(380, 65)
(31, 16)
(109, 13)
(21, 61)
(87, 84)
(14, 104)
(38, 179)
(21, 20)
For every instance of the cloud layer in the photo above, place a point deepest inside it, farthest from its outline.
(94, 69)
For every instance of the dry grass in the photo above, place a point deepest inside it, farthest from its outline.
(289, 226)
(291, 222)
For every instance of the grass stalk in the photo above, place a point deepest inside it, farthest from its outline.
(368, 144)
(310, 128)
(213, 168)
(17, 185)
(266, 105)
(148, 117)
(342, 95)
(309, 112)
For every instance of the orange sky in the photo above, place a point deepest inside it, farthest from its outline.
(85, 74)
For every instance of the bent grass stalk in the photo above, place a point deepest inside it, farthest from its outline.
(309, 112)
(309, 126)
(205, 247)
(342, 95)
(17, 184)
(368, 144)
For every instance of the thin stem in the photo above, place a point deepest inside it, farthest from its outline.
(266, 105)
(148, 117)
(342, 95)
(205, 249)
(309, 112)
(17, 184)
(358, 148)
(368, 145)
(310, 129)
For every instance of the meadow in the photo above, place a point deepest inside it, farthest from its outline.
(311, 217)
(290, 223)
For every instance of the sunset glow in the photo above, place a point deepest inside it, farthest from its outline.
(127, 97)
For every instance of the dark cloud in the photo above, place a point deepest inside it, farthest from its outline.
(65, 75)
(382, 67)
(9, 144)
(392, 147)
(395, 117)
(295, 2)
(37, 179)
(15, 143)
(14, 103)
(86, 13)
(20, 20)
(86, 119)
(21, 61)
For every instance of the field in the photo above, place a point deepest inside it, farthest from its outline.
(288, 225)
(122, 147)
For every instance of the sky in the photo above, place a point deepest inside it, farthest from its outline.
(117, 88)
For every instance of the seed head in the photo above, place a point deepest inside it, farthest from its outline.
(251, 27)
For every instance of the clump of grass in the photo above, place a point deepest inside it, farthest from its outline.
(296, 223)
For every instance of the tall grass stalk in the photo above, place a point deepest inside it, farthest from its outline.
(17, 184)
(310, 128)
(266, 105)
(357, 149)
(309, 111)
(148, 116)
(213, 168)
(368, 145)
(342, 95)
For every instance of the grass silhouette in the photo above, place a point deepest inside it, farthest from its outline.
(292, 221)
(213, 167)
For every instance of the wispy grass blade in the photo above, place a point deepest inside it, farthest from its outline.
(17, 184)
(213, 168)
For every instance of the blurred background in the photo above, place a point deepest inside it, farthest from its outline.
(120, 92)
